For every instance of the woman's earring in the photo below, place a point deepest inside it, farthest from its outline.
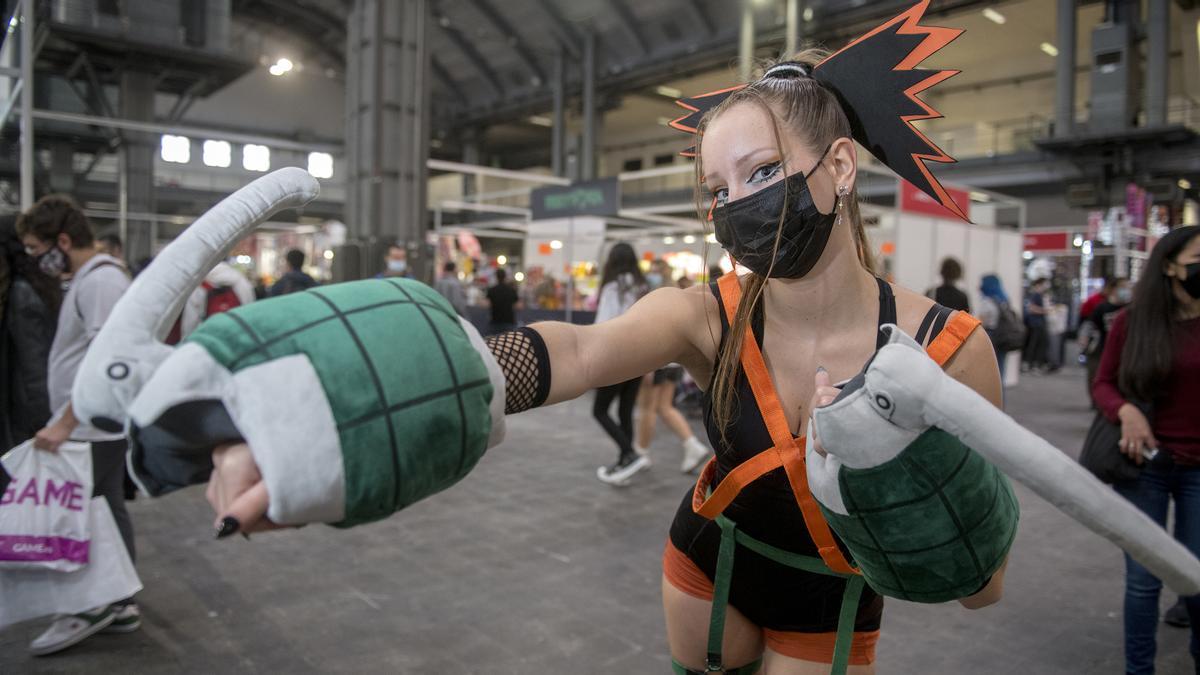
(841, 202)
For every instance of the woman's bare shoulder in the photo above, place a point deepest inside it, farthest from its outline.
(911, 308)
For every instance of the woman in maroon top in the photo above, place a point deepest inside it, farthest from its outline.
(1153, 356)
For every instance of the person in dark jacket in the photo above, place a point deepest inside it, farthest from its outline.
(948, 294)
(29, 303)
(296, 279)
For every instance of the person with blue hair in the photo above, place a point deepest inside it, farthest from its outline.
(997, 318)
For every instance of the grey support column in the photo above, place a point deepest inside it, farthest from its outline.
(1157, 46)
(792, 42)
(27, 40)
(387, 129)
(746, 42)
(136, 163)
(588, 152)
(1064, 104)
(558, 131)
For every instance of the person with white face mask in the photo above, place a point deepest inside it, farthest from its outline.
(396, 262)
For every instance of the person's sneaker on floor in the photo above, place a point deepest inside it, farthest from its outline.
(643, 452)
(619, 474)
(72, 629)
(694, 452)
(1178, 615)
(126, 619)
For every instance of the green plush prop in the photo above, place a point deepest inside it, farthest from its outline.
(399, 372)
(933, 524)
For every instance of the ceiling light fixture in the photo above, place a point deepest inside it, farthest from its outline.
(993, 16)
(669, 92)
(541, 120)
(1185, 184)
(1049, 49)
(808, 13)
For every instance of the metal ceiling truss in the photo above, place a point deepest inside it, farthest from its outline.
(472, 54)
(629, 24)
(519, 46)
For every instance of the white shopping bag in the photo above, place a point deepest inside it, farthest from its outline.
(109, 576)
(44, 509)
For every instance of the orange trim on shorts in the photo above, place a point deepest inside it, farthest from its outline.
(818, 647)
(685, 576)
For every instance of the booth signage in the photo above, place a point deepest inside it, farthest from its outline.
(1046, 241)
(589, 198)
(913, 200)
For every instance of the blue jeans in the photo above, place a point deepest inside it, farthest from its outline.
(1151, 492)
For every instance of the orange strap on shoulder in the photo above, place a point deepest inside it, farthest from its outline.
(786, 452)
(952, 337)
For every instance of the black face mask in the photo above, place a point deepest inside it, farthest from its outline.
(747, 227)
(1192, 283)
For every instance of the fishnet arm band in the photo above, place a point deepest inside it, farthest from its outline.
(525, 363)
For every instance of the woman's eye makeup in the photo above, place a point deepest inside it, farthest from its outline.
(764, 173)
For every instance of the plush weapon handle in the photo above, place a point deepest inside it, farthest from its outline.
(129, 347)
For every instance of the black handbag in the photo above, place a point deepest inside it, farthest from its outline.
(1102, 453)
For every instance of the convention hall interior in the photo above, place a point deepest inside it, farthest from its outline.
(513, 144)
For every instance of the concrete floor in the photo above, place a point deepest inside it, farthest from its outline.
(531, 565)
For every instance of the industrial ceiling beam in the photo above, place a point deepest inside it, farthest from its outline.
(629, 23)
(519, 46)
(567, 36)
(467, 47)
(696, 10)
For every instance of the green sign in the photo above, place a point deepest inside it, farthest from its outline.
(589, 198)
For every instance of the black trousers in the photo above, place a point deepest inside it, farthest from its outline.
(626, 395)
(108, 481)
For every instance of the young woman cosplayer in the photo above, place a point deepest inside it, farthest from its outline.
(400, 398)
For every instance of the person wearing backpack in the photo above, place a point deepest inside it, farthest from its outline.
(59, 237)
(223, 289)
(999, 320)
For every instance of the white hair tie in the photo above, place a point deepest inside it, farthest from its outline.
(787, 70)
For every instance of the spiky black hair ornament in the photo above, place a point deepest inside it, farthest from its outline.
(876, 80)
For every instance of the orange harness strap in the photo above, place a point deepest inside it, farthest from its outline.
(956, 332)
(788, 451)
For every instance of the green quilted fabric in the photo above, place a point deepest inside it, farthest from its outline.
(932, 525)
(408, 393)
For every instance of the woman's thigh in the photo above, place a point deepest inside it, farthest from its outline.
(687, 631)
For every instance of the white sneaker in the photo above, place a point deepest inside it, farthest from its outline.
(72, 629)
(694, 452)
(125, 620)
(619, 474)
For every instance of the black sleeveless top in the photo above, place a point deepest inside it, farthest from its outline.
(765, 509)
(769, 594)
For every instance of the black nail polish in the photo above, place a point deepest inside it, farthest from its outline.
(228, 526)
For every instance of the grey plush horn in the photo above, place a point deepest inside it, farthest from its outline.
(129, 347)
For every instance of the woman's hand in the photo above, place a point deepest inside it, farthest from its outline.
(1136, 435)
(236, 492)
(823, 394)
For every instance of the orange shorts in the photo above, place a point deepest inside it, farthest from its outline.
(685, 576)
